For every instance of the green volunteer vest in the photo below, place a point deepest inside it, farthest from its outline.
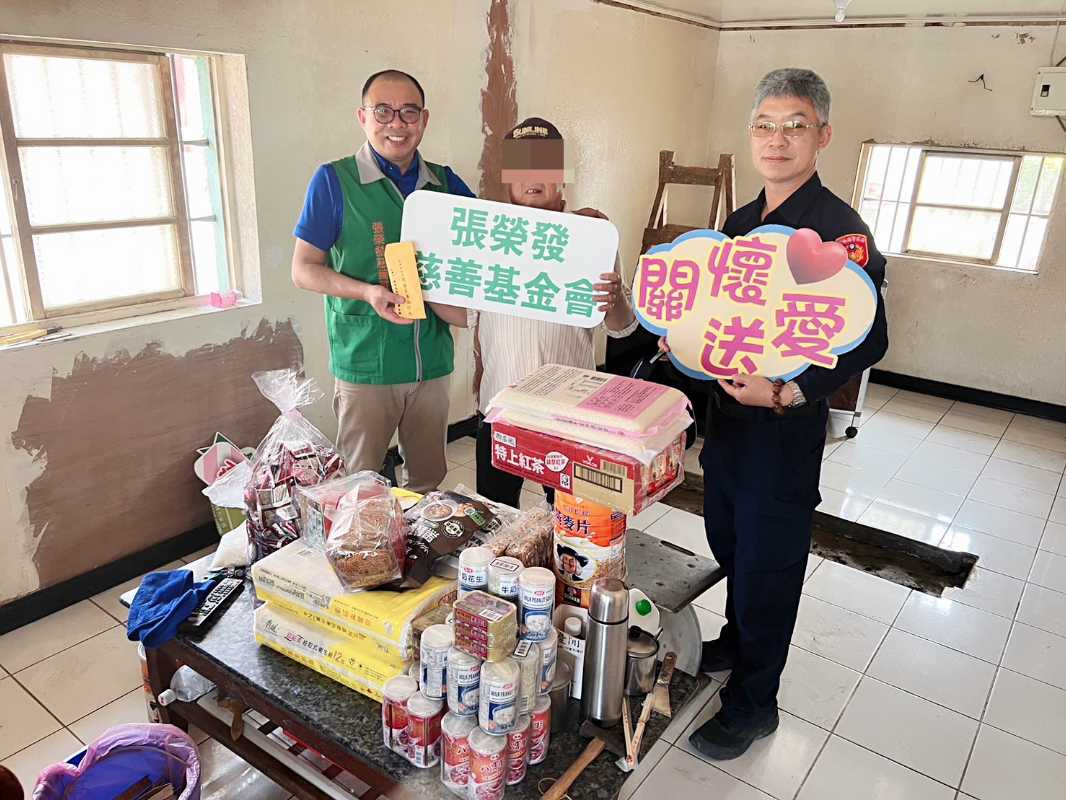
(363, 347)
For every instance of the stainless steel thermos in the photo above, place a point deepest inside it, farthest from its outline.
(604, 674)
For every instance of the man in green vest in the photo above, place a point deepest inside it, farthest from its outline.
(391, 373)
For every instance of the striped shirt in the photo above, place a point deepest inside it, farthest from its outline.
(512, 347)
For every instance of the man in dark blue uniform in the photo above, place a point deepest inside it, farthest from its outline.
(764, 440)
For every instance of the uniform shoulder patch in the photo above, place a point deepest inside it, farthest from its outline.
(857, 247)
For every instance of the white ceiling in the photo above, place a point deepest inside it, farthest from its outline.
(760, 10)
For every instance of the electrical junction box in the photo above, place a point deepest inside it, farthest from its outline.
(1049, 93)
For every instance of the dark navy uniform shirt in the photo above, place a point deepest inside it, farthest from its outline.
(814, 206)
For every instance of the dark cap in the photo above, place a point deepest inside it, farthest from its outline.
(534, 128)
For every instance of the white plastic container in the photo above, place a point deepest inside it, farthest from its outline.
(572, 651)
(187, 685)
(498, 694)
(549, 652)
(437, 640)
(503, 578)
(474, 570)
(464, 677)
(536, 602)
(527, 656)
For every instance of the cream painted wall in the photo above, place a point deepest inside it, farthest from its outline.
(577, 62)
(989, 329)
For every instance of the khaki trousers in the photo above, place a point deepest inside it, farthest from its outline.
(368, 415)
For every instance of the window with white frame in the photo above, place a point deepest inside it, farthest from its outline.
(112, 197)
(975, 206)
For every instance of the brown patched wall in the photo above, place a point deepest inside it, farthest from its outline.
(118, 437)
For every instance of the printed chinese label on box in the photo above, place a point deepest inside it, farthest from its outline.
(509, 259)
(591, 473)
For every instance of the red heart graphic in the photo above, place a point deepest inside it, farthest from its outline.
(811, 260)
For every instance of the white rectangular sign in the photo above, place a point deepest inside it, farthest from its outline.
(509, 259)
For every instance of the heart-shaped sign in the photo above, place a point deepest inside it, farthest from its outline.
(811, 260)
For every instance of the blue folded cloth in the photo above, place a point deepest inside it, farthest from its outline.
(163, 601)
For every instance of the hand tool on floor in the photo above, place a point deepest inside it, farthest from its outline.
(566, 780)
(661, 692)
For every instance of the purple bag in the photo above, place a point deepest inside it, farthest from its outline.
(124, 756)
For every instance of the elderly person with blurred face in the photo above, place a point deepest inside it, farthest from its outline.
(764, 439)
(507, 348)
(391, 373)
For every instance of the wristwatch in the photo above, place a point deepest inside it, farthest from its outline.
(797, 395)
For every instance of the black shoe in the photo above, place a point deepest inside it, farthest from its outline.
(725, 736)
(718, 655)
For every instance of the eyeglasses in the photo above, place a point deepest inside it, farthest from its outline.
(386, 114)
(792, 128)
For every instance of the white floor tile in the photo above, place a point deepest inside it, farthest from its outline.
(1058, 510)
(1043, 608)
(1054, 539)
(462, 451)
(528, 500)
(24, 720)
(1014, 498)
(29, 763)
(835, 633)
(680, 774)
(683, 717)
(964, 440)
(1049, 570)
(989, 424)
(944, 456)
(692, 460)
(48, 635)
(226, 776)
(860, 453)
(110, 602)
(885, 422)
(85, 677)
(1035, 478)
(1004, 767)
(979, 411)
(649, 516)
(998, 555)
(936, 476)
(191, 558)
(845, 771)
(857, 591)
(921, 500)
(1037, 433)
(128, 708)
(1038, 654)
(710, 623)
(989, 591)
(684, 529)
(713, 599)
(909, 408)
(912, 731)
(1029, 709)
(863, 481)
(888, 517)
(813, 562)
(777, 764)
(841, 504)
(933, 672)
(831, 447)
(1000, 522)
(459, 475)
(954, 625)
(649, 762)
(815, 688)
(877, 395)
(1033, 456)
(928, 400)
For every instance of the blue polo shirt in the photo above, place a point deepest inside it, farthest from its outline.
(323, 211)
